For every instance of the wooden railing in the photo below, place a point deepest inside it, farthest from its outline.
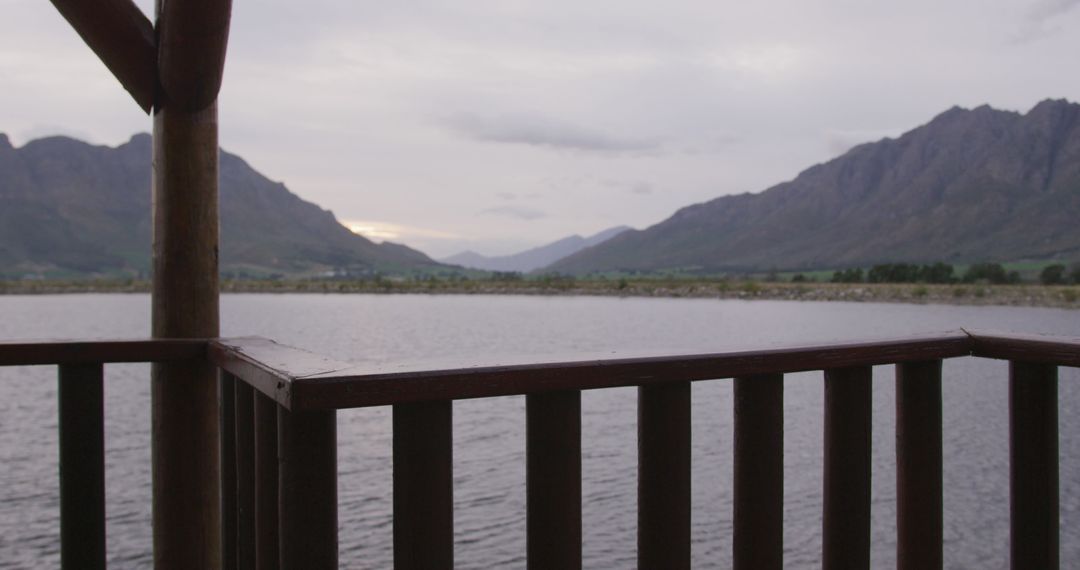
(81, 425)
(279, 446)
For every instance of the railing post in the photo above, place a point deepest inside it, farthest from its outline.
(245, 476)
(423, 486)
(846, 533)
(1033, 465)
(553, 480)
(82, 467)
(759, 473)
(664, 476)
(227, 394)
(307, 500)
(918, 465)
(267, 545)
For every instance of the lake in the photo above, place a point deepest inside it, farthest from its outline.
(489, 434)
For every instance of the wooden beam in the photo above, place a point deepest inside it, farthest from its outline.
(122, 37)
(192, 37)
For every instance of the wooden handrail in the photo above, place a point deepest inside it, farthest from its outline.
(300, 380)
(45, 352)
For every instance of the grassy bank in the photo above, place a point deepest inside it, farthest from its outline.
(955, 294)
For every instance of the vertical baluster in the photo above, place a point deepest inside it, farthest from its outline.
(307, 500)
(423, 486)
(846, 536)
(1033, 465)
(553, 480)
(664, 476)
(759, 472)
(82, 466)
(245, 476)
(918, 465)
(267, 547)
(227, 393)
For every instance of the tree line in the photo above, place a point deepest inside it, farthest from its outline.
(944, 273)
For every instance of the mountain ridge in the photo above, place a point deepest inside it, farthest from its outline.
(70, 206)
(533, 258)
(970, 185)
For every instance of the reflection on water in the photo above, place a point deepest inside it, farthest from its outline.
(489, 440)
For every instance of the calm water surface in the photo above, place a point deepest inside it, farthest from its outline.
(489, 461)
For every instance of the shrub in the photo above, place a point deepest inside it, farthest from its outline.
(989, 272)
(1053, 274)
(852, 275)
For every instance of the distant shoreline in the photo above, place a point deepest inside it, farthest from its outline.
(1024, 295)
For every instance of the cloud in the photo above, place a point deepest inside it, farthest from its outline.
(506, 195)
(639, 188)
(542, 132)
(1039, 19)
(517, 212)
(839, 141)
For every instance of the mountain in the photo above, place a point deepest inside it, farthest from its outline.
(971, 185)
(71, 207)
(534, 258)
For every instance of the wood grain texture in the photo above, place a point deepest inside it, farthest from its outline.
(846, 520)
(1061, 351)
(664, 476)
(295, 381)
(758, 533)
(1033, 466)
(919, 525)
(44, 352)
(267, 545)
(122, 37)
(82, 466)
(184, 395)
(553, 480)
(192, 37)
(423, 486)
(307, 507)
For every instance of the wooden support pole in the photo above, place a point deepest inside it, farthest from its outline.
(122, 37)
(918, 466)
(553, 480)
(186, 460)
(1033, 466)
(423, 486)
(664, 476)
(759, 473)
(846, 536)
(82, 467)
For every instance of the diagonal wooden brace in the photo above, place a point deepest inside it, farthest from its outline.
(122, 37)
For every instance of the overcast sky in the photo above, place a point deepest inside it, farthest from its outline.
(503, 124)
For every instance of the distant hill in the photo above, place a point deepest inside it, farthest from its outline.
(972, 185)
(70, 207)
(536, 257)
